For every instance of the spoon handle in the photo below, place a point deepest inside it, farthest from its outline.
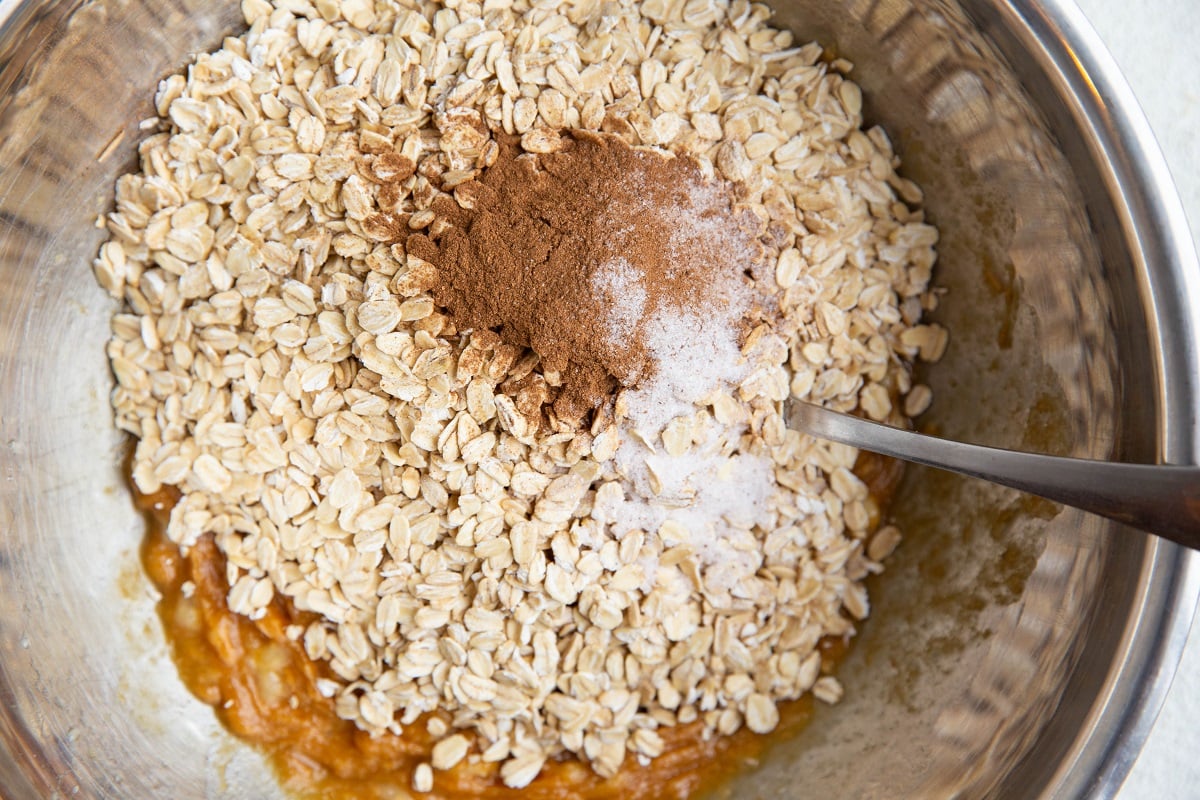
(1161, 499)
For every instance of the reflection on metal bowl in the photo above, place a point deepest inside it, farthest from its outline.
(1015, 649)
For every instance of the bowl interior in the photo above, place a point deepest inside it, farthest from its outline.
(983, 668)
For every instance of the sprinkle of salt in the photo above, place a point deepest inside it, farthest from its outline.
(715, 492)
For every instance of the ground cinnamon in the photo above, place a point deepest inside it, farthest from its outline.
(568, 253)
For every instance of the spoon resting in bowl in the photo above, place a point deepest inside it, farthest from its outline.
(1157, 498)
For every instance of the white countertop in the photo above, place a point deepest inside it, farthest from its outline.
(1155, 44)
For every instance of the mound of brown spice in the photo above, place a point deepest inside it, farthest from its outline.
(569, 253)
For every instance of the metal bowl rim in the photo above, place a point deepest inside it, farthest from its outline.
(1159, 622)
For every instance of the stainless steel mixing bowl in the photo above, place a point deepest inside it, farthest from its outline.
(1016, 650)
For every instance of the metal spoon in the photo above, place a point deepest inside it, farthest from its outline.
(1159, 498)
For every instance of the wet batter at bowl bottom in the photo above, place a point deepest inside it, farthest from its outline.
(262, 687)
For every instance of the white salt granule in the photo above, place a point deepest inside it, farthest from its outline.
(692, 353)
(618, 285)
(717, 494)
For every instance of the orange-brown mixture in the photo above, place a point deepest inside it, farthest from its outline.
(262, 687)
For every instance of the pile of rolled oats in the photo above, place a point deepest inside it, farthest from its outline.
(280, 361)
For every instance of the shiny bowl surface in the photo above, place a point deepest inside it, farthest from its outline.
(1015, 649)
